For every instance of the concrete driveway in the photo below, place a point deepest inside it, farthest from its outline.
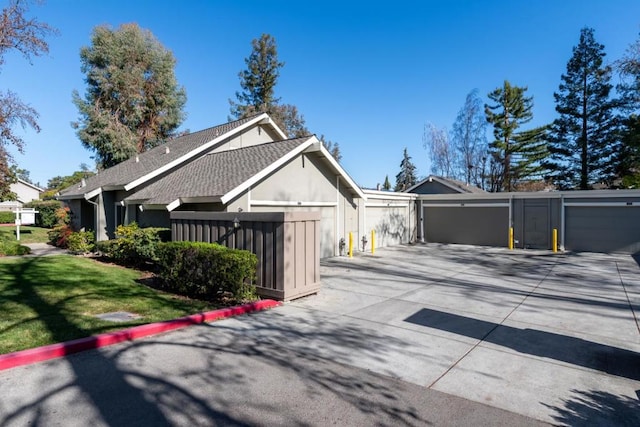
(428, 334)
(551, 336)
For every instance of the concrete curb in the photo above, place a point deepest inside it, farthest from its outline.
(54, 351)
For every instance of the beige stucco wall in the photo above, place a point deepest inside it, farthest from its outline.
(24, 192)
(253, 136)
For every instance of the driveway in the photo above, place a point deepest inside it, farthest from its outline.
(427, 334)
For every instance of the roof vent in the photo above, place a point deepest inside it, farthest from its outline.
(166, 150)
(137, 158)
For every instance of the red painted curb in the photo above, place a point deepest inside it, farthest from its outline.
(54, 351)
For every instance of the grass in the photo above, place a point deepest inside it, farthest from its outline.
(45, 300)
(27, 234)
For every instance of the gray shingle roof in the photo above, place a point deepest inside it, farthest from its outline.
(130, 170)
(215, 174)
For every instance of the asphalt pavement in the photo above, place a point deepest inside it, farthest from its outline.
(421, 335)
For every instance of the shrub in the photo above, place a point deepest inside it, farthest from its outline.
(207, 270)
(133, 245)
(9, 248)
(46, 216)
(81, 242)
(60, 233)
(7, 217)
(105, 247)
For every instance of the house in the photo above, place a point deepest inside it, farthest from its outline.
(438, 185)
(247, 165)
(25, 192)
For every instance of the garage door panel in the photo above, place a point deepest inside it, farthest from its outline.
(486, 226)
(603, 229)
(390, 224)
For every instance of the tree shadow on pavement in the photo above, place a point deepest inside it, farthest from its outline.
(597, 408)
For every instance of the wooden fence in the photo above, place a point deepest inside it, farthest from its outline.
(287, 245)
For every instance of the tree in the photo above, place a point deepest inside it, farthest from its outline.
(407, 175)
(583, 138)
(59, 183)
(332, 147)
(259, 80)
(469, 139)
(258, 84)
(27, 36)
(387, 185)
(442, 154)
(629, 88)
(133, 101)
(516, 151)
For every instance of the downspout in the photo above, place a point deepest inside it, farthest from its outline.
(421, 221)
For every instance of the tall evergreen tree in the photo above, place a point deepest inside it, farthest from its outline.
(629, 68)
(133, 101)
(387, 185)
(258, 82)
(516, 151)
(584, 142)
(407, 175)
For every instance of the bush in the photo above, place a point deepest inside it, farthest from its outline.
(46, 216)
(207, 270)
(133, 245)
(60, 233)
(105, 247)
(7, 217)
(81, 242)
(9, 248)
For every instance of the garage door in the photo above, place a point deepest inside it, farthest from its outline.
(602, 228)
(486, 226)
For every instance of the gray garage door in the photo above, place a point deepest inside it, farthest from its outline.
(602, 229)
(486, 226)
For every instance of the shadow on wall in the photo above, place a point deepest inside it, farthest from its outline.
(391, 230)
(598, 408)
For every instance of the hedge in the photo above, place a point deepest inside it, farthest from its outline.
(207, 270)
(7, 217)
(46, 216)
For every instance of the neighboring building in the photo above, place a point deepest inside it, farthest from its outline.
(439, 185)
(247, 165)
(25, 191)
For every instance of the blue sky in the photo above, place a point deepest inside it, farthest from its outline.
(367, 75)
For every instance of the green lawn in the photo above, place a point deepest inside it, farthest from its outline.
(45, 300)
(27, 234)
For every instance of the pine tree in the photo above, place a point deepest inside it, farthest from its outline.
(629, 88)
(583, 139)
(258, 83)
(516, 151)
(407, 175)
(387, 185)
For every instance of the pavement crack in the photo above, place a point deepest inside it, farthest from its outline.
(633, 313)
(497, 325)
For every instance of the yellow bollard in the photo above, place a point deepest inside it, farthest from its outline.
(373, 242)
(510, 237)
(350, 244)
(555, 240)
